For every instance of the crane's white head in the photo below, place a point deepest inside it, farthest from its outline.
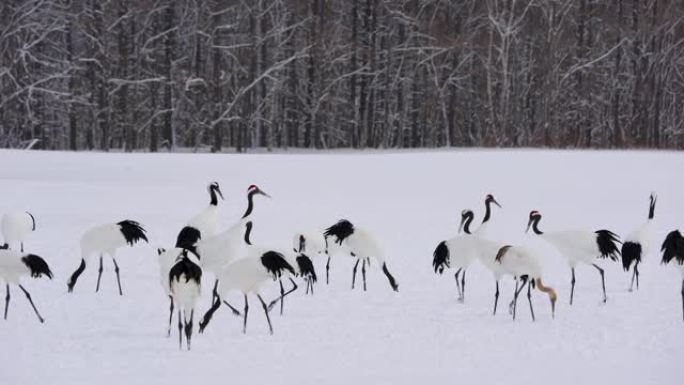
(254, 189)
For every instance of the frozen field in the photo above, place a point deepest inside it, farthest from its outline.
(410, 201)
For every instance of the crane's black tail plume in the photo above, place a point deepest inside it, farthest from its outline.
(673, 247)
(276, 264)
(306, 267)
(37, 266)
(188, 237)
(440, 257)
(608, 244)
(631, 252)
(340, 230)
(132, 231)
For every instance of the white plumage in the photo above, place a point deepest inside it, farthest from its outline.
(523, 262)
(458, 252)
(580, 246)
(206, 221)
(106, 240)
(14, 265)
(16, 227)
(361, 245)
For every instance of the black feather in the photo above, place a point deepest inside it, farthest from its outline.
(188, 237)
(390, 278)
(631, 252)
(184, 266)
(440, 257)
(4, 246)
(306, 267)
(132, 231)
(276, 264)
(37, 266)
(673, 247)
(608, 244)
(340, 230)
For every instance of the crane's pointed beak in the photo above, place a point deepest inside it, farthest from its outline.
(529, 224)
(496, 203)
(218, 190)
(460, 227)
(263, 193)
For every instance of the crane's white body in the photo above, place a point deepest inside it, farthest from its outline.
(642, 235)
(364, 245)
(246, 275)
(221, 249)
(102, 240)
(575, 245)
(463, 250)
(165, 261)
(185, 293)
(486, 250)
(206, 221)
(520, 260)
(314, 242)
(17, 226)
(11, 266)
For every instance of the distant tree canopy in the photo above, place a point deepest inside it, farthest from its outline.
(221, 74)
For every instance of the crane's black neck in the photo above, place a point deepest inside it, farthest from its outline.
(302, 244)
(214, 197)
(651, 208)
(250, 204)
(466, 224)
(248, 233)
(488, 211)
(535, 224)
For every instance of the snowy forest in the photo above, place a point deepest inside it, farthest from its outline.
(233, 75)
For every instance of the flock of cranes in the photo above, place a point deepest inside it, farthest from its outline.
(237, 265)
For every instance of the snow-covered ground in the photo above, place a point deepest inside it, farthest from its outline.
(410, 201)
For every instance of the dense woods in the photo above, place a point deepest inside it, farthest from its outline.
(223, 75)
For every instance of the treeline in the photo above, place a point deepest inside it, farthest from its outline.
(221, 74)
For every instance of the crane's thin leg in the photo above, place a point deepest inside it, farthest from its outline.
(515, 299)
(682, 297)
(22, 247)
(118, 279)
(510, 305)
(7, 299)
(244, 323)
(214, 293)
(235, 311)
(354, 273)
(636, 271)
(572, 285)
(180, 330)
(28, 296)
(327, 271)
(603, 281)
(312, 284)
(168, 332)
(263, 304)
(307, 287)
(463, 286)
(363, 273)
(99, 275)
(188, 329)
(207, 316)
(282, 296)
(496, 297)
(529, 299)
(458, 283)
(631, 284)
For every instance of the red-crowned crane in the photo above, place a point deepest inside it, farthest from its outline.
(483, 228)
(580, 246)
(673, 253)
(185, 284)
(14, 265)
(456, 251)
(637, 244)
(248, 276)
(106, 239)
(16, 227)
(361, 245)
(522, 262)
